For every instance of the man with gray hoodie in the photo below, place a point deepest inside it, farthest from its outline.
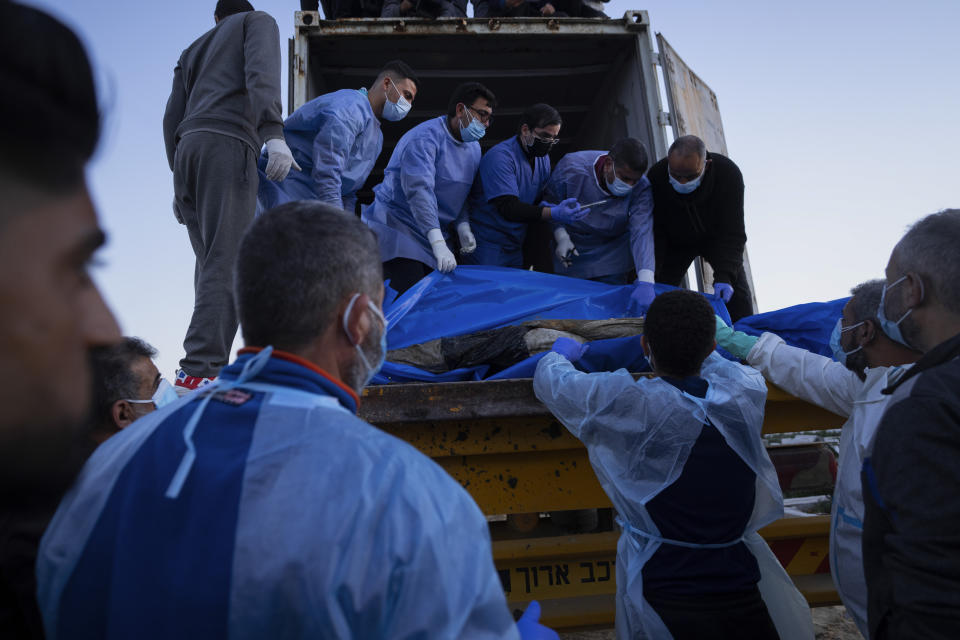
(224, 105)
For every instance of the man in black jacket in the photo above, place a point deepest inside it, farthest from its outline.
(698, 211)
(911, 538)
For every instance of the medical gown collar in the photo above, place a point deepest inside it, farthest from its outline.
(289, 370)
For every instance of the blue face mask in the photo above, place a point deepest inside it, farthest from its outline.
(394, 111)
(891, 328)
(838, 330)
(372, 370)
(473, 131)
(618, 187)
(688, 186)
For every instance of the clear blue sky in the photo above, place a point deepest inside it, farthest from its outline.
(842, 116)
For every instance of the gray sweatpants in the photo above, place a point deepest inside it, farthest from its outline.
(215, 194)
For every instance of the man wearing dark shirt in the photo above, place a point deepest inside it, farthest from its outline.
(224, 105)
(911, 529)
(681, 458)
(698, 211)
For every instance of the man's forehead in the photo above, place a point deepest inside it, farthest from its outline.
(676, 157)
(480, 103)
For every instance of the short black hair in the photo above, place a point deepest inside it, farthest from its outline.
(296, 263)
(226, 8)
(540, 115)
(401, 70)
(680, 330)
(113, 377)
(467, 93)
(632, 153)
(931, 248)
(689, 145)
(45, 79)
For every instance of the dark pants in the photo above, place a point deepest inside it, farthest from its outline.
(403, 273)
(215, 190)
(734, 616)
(672, 267)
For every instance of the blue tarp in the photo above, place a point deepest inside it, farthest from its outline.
(474, 298)
(807, 326)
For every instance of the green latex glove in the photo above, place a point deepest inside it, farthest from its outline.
(736, 342)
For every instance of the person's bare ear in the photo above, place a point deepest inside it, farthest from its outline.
(916, 292)
(866, 333)
(358, 322)
(123, 414)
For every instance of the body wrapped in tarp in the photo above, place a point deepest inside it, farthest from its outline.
(479, 298)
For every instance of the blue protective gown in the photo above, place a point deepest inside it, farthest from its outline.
(336, 140)
(425, 186)
(504, 171)
(638, 435)
(295, 519)
(613, 238)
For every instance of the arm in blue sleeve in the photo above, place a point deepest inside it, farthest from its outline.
(745, 384)
(641, 229)
(350, 203)
(574, 397)
(555, 192)
(331, 147)
(417, 179)
(473, 197)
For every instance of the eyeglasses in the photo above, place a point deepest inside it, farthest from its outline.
(549, 141)
(486, 117)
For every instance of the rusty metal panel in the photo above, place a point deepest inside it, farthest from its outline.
(693, 105)
(574, 577)
(489, 401)
(498, 441)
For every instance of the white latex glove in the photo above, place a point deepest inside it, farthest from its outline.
(445, 260)
(279, 159)
(565, 249)
(468, 243)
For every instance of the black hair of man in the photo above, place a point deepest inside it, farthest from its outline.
(113, 377)
(45, 77)
(399, 70)
(296, 263)
(467, 93)
(680, 330)
(931, 248)
(227, 8)
(540, 115)
(689, 145)
(632, 153)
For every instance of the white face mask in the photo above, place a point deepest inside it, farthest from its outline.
(394, 111)
(163, 396)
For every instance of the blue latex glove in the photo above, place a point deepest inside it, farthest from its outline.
(529, 623)
(736, 342)
(569, 348)
(723, 290)
(567, 211)
(641, 297)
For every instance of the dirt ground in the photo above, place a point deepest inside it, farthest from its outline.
(830, 623)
